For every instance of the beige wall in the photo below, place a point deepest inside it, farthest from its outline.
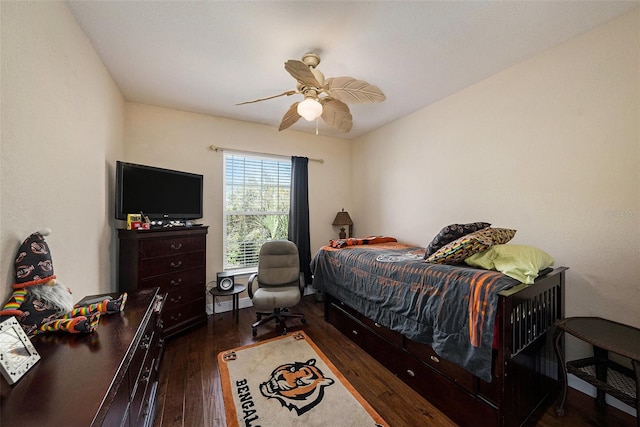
(180, 140)
(550, 147)
(62, 127)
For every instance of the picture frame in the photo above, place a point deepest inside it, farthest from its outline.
(17, 353)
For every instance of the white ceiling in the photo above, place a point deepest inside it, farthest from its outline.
(207, 56)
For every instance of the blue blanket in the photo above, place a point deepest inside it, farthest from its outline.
(451, 308)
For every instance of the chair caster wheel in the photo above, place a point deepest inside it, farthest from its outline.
(254, 332)
(303, 320)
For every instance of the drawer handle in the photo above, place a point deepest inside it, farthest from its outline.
(157, 305)
(176, 247)
(354, 332)
(145, 342)
(146, 374)
(176, 317)
(411, 373)
(176, 264)
(435, 359)
(176, 282)
(176, 299)
(377, 325)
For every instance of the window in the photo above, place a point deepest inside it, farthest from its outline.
(256, 206)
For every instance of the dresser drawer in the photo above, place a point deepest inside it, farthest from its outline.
(344, 307)
(177, 245)
(393, 337)
(170, 281)
(446, 395)
(145, 384)
(426, 354)
(183, 295)
(174, 318)
(348, 325)
(140, 354)
(118, 414)
(170, 264)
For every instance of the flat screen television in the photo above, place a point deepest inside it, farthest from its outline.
(161, 194)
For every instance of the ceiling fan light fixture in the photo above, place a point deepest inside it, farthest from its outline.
(310, 109)
(326, 98)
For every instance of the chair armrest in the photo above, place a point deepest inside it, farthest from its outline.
(250, 284)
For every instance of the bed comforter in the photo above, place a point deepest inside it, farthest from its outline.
(451, 308)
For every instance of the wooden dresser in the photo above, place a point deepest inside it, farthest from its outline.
(108, 378)
(173, 259)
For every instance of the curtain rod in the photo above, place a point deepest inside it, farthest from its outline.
(215, 148)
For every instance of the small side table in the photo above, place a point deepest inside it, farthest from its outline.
(607, 376)
(235, 293)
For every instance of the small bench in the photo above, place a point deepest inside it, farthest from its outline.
(607, 376)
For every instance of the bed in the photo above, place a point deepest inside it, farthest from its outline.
(474, 342)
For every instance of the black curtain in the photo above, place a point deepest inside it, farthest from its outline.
(299, 213)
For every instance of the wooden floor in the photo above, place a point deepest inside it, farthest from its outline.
(190, 393)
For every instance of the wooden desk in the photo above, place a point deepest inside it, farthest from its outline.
(105, 378)
(607, 376)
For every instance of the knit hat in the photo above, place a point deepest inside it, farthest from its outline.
(33, 263)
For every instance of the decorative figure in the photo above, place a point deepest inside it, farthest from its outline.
(41, 303)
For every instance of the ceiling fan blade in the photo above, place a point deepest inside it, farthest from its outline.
(336, 114)
(353, 91)
(301, 72)
(290, 117)
(287, 93)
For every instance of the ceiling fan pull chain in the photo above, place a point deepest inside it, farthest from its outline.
(317, 120)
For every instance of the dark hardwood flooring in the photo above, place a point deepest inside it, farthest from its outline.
(190, 393)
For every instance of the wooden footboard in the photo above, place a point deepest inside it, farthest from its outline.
(531, 371)
(524, 371)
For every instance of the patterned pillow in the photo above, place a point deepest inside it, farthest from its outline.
(456, 251)
(452, 232)
(498, 236)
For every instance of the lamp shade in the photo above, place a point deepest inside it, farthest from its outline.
(342, 218)
(310, 109)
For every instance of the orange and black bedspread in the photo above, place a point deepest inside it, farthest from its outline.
(451, 308)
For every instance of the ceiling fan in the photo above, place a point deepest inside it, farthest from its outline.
(326, 98)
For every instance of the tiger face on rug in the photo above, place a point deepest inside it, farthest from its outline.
(298, 386)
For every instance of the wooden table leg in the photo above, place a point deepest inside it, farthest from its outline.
(636, 369)
(236, 307)
(560, 355)
(601, 356)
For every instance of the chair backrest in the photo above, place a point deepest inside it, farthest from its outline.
(278, 263)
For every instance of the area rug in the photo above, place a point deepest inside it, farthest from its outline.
(288, 381)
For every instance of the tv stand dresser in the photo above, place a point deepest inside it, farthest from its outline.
(173, 259)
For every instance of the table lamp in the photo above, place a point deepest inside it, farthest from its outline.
(342, 219)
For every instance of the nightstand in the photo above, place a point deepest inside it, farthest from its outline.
(235, 293)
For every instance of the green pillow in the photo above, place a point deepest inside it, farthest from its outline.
(520, 262)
